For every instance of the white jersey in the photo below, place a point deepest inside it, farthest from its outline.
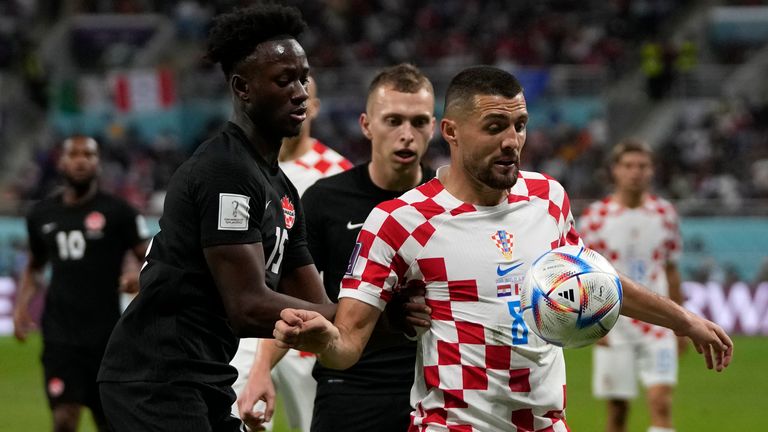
(479, 368)
(320, 161)
(639, 242)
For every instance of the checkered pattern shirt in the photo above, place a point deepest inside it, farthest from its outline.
(639, 242)
(320, 161)
(479, 368)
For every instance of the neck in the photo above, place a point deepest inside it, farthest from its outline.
(75, 195)
(294, 148)
(629, 199)
(267, 147)
(391, 180)
(467, 189)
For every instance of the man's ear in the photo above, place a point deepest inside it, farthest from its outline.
(448, 129)
(365, 125)
(239, 87)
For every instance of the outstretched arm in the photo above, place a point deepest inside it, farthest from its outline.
(709, 338)
(338, 345)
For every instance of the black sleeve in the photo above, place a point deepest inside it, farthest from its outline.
(313, 210)
(36, 243)
(134, 228)
(296, 252)
(229, 201)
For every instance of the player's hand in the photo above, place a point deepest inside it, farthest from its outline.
(407, 309)
(710, 340)
(256, 403)
(22, 323)
(129, 282)
(304, 330)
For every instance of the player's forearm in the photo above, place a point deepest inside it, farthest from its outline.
(29, 285)
(255, 316)
(341, 352)
(645, 305)
(268, 355)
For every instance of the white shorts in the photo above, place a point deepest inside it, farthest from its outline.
(292, 378)
(616, 369)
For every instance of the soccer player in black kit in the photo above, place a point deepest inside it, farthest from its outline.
(231, 252)
(84, 234)
(372, 395)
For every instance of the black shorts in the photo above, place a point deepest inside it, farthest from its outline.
(179, 406)
(361, 412)
(70, 374)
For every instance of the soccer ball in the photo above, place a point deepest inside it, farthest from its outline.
(571, 296)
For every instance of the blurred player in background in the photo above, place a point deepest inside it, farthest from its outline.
(372, 395)
(84, 234)
(304, 160)
(639, 233)
(478, 367)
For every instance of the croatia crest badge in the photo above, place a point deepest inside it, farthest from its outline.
(503, 241)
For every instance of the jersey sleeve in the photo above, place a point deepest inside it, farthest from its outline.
(134, 226)
(376, 265)
(34, 238)
(673, 244)
(297, 252)
(313, 216)
(560, 209)
(229, 203)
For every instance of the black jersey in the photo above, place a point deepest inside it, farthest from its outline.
(336, 208)
(177, 328)
(85, 245)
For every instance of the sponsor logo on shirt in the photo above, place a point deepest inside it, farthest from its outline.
(351, 226)
(288, 211)
(233, 212)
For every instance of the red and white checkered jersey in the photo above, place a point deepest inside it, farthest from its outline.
(320, 161)
(639, 242)
(479, 368)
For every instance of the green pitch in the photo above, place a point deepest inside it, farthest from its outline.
(705, 400)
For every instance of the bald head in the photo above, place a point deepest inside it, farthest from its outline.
(476, 81)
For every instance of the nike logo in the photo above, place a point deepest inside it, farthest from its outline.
(504, 272)
(351, 226)
(46, 228)
(267, 205)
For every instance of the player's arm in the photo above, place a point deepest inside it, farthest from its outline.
(708, 338)
(129, 279)
(259, 385)
(338, 345)
(30, 284)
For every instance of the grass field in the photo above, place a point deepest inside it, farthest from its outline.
(706, 401)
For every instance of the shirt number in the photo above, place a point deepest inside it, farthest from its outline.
(281, 235)
(71, 245)
(519, 329)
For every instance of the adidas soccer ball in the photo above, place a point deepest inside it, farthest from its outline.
(571, 296)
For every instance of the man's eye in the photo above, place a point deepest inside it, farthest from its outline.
(521, 126)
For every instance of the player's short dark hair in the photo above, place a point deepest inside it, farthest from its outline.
(235, 35)
(629, 145)
(404, 77)
(479, 80)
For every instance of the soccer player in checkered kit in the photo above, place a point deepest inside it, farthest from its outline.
(304, 160)
(373, 395)
(84, 234)
(479, 368)
(639, 233)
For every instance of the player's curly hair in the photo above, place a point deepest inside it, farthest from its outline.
(234, 35)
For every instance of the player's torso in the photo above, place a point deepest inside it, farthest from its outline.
(82, 240)
(635, 242)
(478, 349)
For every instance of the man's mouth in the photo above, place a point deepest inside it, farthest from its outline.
(299, 115)
(506, 162)
(405, 154)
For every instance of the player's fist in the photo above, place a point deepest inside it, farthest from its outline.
(22, 323)
(304, 330)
